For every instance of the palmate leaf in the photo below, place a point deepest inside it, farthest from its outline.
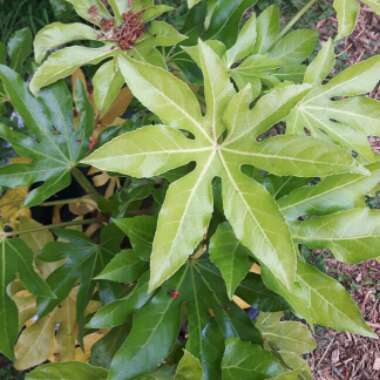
(353, 236)
(249, 208)
(16, 258)
(51, 141)
(335, 111)
(64, 62)
(211, 317)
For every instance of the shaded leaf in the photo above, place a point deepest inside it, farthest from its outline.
(230, 256)
(67, 371)
(244, 360)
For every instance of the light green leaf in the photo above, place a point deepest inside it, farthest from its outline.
(57, 34)
(238, 115)
(348, 121)
(358, 79)
(347, 14)
(244, 44)
(165, 34)
(230, 257)
(218, 89)
(331, 194)
(285, 336)
(91, 10)
(257, 222)
(289, 339)
(185, 215)
(153, 12)
(64, 62)
(295, 156)
(321, 300)
(67, 371)
(246, 361)
(164, 94)
(189, 368)
(146, 152)
(374, 5)
(188, 197)
(192, 3)
(295, 47)
(269, 110)
(268, 29)
(322, 65)
(107, 83)
(353, 236)
(194, 51)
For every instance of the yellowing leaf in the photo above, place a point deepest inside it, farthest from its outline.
(11, 206)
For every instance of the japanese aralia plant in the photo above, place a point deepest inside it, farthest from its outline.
(188, 267)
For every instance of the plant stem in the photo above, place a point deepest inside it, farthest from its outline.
(87, 185)
(51, 227)
(61, 202)
(294, 20)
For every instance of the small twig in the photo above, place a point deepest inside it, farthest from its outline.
(50, 227)
(87, 186)
(61, 202)
(324, 354)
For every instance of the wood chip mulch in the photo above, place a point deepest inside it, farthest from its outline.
(344, 356)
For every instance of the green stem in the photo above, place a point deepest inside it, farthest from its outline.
(294, 20)
(52, 226)
(87, 185)
(62, 202)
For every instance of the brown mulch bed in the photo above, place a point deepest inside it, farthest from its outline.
(344, 356)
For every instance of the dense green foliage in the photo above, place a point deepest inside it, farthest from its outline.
(173, 247)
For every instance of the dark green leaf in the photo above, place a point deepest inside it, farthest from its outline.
(125, 268)
(67, 371)
(246, 361)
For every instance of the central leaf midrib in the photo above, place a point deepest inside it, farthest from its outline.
(153, 152)
(193, 191)
(266, 238)
(287, 158)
